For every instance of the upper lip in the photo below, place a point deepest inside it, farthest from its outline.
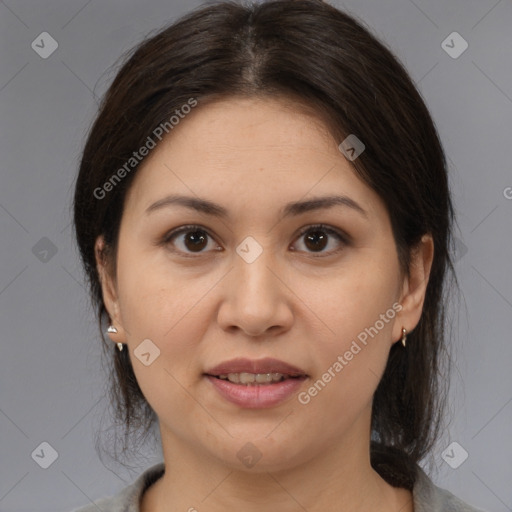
(266, 365)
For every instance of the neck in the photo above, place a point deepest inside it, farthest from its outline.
(342, 474)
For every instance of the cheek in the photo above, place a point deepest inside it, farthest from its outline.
(154, 297)
(354, 298)
(168, 381)
(174, 319)
(349, 372)
(167, 311)
(359, 308)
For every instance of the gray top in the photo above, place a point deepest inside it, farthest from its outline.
(427, 497)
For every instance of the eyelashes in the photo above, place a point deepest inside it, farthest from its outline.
(169, 240)
(331, 232)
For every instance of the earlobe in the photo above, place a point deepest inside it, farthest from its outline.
(415, 285)
(109, 290)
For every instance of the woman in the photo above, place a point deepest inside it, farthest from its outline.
(264, 216)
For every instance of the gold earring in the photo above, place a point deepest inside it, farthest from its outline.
(404, 335)
(120, 347)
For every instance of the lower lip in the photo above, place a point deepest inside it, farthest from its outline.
(256, 396)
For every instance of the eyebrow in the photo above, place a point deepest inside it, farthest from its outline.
(290, 209)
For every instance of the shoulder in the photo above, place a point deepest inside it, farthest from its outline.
(128, 499)
(430, 498)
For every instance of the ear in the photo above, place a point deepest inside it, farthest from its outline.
(415, 286)
(109, 290)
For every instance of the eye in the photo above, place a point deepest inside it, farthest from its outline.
(194, 241)
(317, 238)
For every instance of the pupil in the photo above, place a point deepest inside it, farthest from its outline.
(196, 239)
(316, 236)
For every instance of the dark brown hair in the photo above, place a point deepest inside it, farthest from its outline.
(322, 58)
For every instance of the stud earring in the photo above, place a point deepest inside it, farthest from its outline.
(112, 330)
(404, 336)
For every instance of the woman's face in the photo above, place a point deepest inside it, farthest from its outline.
(259, 281)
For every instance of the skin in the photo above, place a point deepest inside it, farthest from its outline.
(252, 156)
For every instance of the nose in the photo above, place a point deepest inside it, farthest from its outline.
(256, 298)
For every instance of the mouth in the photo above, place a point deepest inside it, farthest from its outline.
(254, 379)
(256, 384)
(256, 371)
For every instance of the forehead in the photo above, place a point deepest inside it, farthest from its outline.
(242, 149)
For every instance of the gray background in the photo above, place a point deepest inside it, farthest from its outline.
(52, 388)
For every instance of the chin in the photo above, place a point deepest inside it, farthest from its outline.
(261, 455)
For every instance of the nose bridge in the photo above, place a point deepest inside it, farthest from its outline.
(252, 272)
(256, 301)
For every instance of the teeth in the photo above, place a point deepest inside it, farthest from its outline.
(253, 378)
